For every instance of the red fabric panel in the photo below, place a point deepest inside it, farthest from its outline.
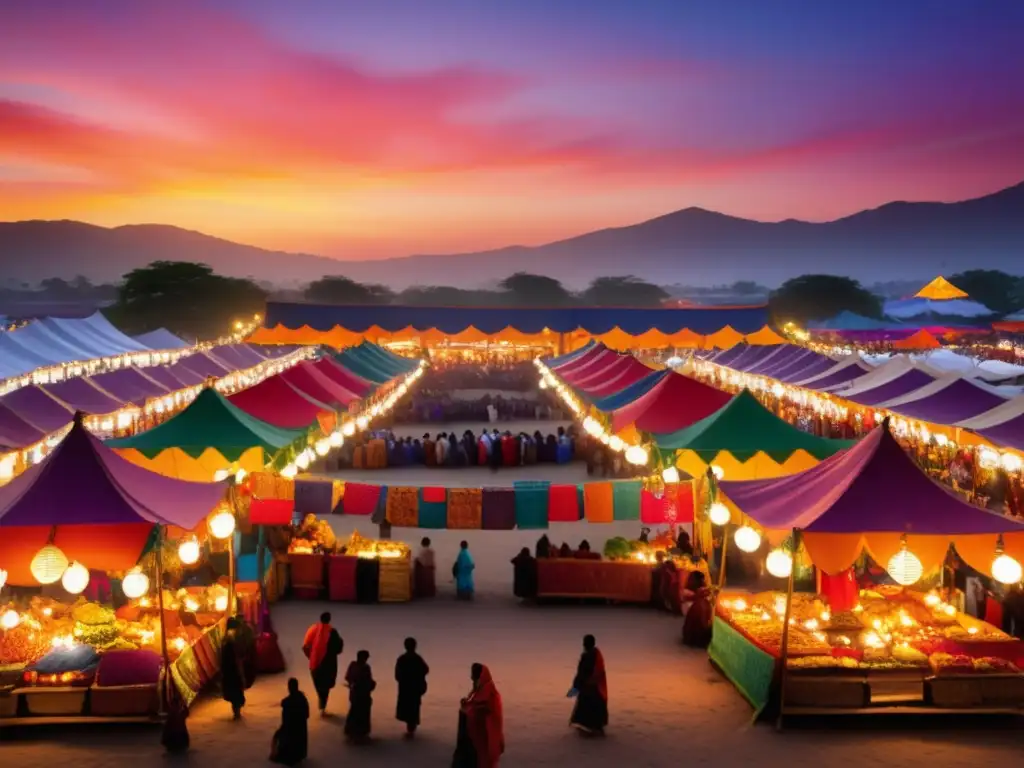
(271, 511)
(563, 504)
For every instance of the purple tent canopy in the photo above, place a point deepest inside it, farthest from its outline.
(38, 407)
(129, 385)
(903, 384)
(82, 395)
(873, 487)
(85, 483)
(15, 432)
(958, 400)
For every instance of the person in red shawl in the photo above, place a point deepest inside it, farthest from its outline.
(590, 689)
(481, 741)
(322, 647)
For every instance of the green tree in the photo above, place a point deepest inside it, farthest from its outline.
(338, 289)
(997, 290)
(526, 290)
(186, 298)
(820, 297)
(626, 291)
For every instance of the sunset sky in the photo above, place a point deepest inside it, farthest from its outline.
(388, 127)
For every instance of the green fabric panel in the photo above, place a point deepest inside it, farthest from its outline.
(210, 421)
(743, 427)
(746, 666)
(626, 500)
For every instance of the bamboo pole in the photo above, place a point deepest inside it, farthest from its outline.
(165, 673)
(785, 631)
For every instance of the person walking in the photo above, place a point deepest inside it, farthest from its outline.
(322, 646)
(590, 689)
(411, 674)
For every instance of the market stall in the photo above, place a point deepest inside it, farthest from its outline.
(901, 648)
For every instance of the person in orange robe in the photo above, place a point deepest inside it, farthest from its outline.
(481, 732)
(590, 687)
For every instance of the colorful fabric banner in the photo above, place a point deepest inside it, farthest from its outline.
(402, 507)
(499, 509)
(532, 500)
(598, 503)
(360, 499)
(563, 504)
(465, 508)
(432, 514)
(626, 500)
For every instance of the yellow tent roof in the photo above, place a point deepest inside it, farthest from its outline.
(940, 288)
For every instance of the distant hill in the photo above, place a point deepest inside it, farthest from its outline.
(898, 241)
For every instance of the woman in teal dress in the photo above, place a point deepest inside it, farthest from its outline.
(463, 572)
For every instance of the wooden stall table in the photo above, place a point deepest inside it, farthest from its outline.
(341, 578)
(591, 579)
(307, 575)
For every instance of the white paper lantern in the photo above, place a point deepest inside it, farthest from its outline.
(747, 539)
(9, 619)
(188, 551)
(905, 567)
(1006, 570)
(636, 455)
(779, 563)
(221, 525)
(48, 565)
(135, 583)
(719, 514)
(670, 475)
(75, 579)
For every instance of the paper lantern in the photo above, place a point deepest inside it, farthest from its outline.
(10, 619)
(336, 439)
(670, 475)
(48, 565)
(1006, 570)
(135, 583)
(75, 579)
(719, 513)
(747, 539)
(779, 563)
(636, 455)
(188, 551)
(904, 567)
(221, 525)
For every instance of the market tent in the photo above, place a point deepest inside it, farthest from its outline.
(277, 402)
(747, 441)
(82, 395)
(344, 377)
(673, 403)
(630, 393)
(129, 385)
(946, 400)
(161, 339)
(307, 379)
(38, 407)
(96, 506)
(867, 498)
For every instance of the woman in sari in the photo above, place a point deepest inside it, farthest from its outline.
(360, 682)
(590, 686)
(232, 672)
(463, 572)
(481, 736)
(291, 740)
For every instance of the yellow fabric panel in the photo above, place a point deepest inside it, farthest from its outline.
(940, 288)
(725, 338)
(177, 464)
(765, 337)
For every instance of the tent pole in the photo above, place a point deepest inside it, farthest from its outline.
(165, 674)
(784, 656)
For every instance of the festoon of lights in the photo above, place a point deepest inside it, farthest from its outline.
(635, 454)
(824, 405)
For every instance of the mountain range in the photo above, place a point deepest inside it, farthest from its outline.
(693, 246)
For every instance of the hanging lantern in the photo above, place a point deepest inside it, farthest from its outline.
(779, 563)
(719, 513)
(747, 539)
(670, 475)
(221, 525)
(48, 565)
(336, 439)
(9, 620)
(717, 471)
(75, 579)
(636, 455)
(905, 567)
(188, 551)
(135, 583)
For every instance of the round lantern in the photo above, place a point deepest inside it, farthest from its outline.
(719, 513)
(75, 579)
(747, 539)
(135, 583)
(670, 475)
(188, 551)
(336, 439)
(9, 619)
(779, 563)
(48, 565)
(221, 525)
(1006, 570)
(904, 567)
(636, 455)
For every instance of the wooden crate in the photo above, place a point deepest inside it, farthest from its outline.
(54, 701)
(124, 701)
(826, 691)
